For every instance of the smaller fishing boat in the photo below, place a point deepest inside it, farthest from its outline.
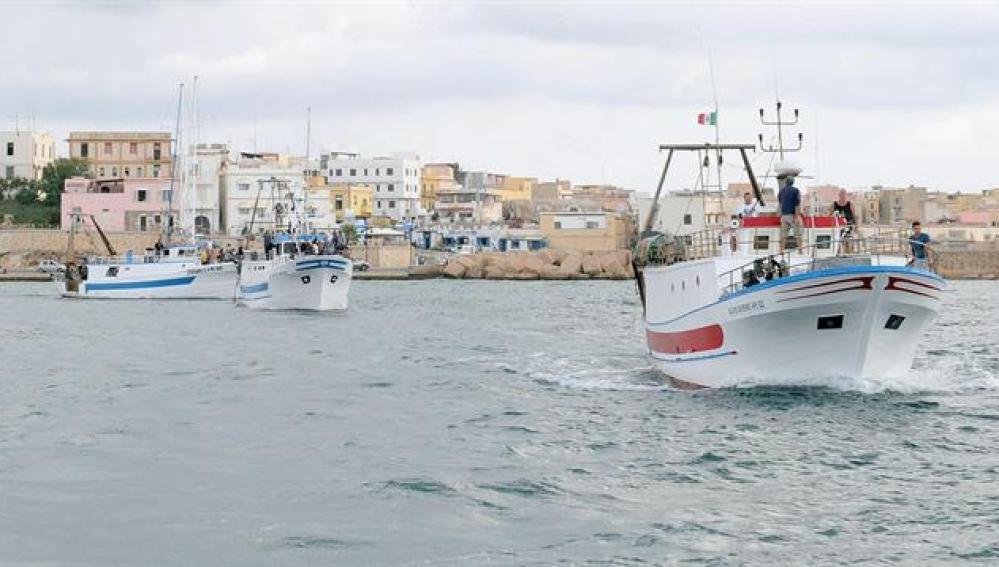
(173, 272)
(295, 277)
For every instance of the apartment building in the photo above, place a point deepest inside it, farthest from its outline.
(124, 154)
(25, 154)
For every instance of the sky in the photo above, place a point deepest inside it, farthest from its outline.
(889, 93)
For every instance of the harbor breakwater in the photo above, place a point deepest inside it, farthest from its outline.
(544, 265)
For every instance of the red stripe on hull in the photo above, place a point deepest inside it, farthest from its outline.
(694, 340)
(893, 282)
(862, 283)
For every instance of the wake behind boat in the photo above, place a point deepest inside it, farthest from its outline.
(725, 307)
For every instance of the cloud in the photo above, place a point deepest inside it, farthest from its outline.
(582, 90)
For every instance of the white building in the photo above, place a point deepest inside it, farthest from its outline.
(678, 213)
(259, 181)
(209, 164)
(24, 154)
(396, 180)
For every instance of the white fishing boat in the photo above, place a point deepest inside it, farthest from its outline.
(726, 307)
(173, 273)
(293, 280)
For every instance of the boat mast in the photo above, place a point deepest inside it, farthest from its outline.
(194, 173)
(173, 166)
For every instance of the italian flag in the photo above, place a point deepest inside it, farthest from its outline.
(707, 118)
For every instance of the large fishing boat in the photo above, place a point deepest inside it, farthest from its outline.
(730, 306)
(295, 278)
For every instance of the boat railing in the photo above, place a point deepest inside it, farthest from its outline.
(794, 260)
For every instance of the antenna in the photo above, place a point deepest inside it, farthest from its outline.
(780, 123)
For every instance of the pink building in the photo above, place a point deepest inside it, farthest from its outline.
(134, 204)
(987, 217)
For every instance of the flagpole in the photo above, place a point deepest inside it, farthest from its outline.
(718, 158)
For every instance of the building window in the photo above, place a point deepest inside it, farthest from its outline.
(9, 173)
(140, 195)
(133, 148)
(592, 224)
(156, 151)
(391, 187)
(107, 148)
(339, 173)
(114, 172)
(688, 219)
(388, 171)
(10, 148)
(166, 195)
(339, 203)
(558, 224)
(138, 171)
(378, 171)
(365, 171)
(379, 203)
(84, 150)
(243, 186)
(127, 173)
(391, 204)
(100, 172)
(156, 171)
(353, 173)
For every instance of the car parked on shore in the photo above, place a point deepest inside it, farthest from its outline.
(50, 267)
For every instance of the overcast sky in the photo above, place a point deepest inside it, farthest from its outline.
(891, 93)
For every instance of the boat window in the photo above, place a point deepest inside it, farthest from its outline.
(697, 280)
(830, 322)
(112, 272)
(761, 242)
(894, 322)
(823, 241)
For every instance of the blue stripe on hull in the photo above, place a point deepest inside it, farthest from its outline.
(124, 286)
(255, 288)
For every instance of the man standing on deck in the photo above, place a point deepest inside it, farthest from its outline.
(748, 206)
(790, 211)
(918, 242)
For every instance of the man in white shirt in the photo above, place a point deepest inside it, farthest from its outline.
(748, 207)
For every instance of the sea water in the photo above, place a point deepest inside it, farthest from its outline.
(472, 423)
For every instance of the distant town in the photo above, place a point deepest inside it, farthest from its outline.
(127, 181)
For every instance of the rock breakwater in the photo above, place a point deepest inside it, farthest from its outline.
(541, 265)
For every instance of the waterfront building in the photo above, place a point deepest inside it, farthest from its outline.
(209, 167)
(352, 201)
(396, 179)
(679, 213)
(551, 190)
(25, 153)
(434, 178)
(517, 188)
(586, 232)
(253, 185)
(473, 199)
(900, 205)
(124, 154)
(122, 204)
(610, 198)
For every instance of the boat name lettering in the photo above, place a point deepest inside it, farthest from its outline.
(203, 270)
(746, 307)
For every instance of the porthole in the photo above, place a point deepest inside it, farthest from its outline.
(830, 322)
(306, 279)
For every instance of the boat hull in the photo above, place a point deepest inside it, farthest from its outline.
(861, 323)
(310, 283)
(159, 281)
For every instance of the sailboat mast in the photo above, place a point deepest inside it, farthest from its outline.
(173, 167)
(194, 162)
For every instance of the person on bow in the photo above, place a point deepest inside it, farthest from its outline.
(921, 252)
(843, 208)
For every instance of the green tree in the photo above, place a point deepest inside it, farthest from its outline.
(349, 232)
(55, 174)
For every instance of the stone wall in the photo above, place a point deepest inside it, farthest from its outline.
(23, 248)
(384, 255)
(968, 264)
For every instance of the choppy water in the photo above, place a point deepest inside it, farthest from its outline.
(471, 423)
